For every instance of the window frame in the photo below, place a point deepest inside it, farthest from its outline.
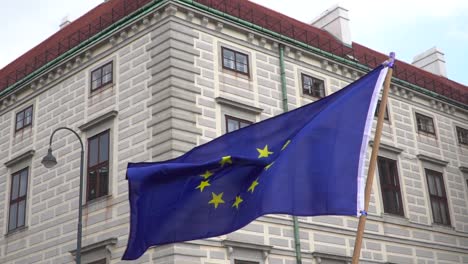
(24, 111)
(95, 168)
(386, 115)
(393, 187)
(436, 197)
(18, 199)
(247, 73)
(303, 76)
(101, 68)
(239, 120)
(421, 128)
(462, 140)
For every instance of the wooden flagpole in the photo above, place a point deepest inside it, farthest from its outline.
(373, 160)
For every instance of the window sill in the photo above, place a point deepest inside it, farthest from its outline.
(16, 231)
(395, 219)
(101, 89)
(98, 203)
(442, 227)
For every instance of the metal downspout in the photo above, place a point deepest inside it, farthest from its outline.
(284, 94)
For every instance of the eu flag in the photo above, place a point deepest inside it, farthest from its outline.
(306, 162)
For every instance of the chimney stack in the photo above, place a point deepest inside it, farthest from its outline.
(335, 20)
(432, 61)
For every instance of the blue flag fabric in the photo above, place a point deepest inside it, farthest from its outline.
(306, 162)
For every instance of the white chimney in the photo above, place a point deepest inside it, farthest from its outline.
(335, 20)
(432, 61)
(65, 22)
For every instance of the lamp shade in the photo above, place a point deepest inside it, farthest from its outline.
(49, 160)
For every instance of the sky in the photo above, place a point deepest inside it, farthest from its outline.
(405, 27)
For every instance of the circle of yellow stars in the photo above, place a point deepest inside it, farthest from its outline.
(217, 199)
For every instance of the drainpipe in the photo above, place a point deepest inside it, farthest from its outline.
(284, 94)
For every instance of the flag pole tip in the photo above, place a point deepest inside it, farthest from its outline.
(391, 60)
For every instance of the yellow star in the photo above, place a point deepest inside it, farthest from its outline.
(252, 186)
(269, 165)
(217, 199)
(207, 174)
(264, 153)
(237, 202)
(225, 159)
(286, 144)
(202, 185)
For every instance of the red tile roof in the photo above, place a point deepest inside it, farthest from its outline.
(107, 13)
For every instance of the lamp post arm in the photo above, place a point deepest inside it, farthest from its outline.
(69, 129)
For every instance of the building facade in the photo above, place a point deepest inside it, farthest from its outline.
(149, 80)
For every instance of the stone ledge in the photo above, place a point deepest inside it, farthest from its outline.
(432, 160)
(98, 120)
(386, 147)
(238, 105)
(24, 156)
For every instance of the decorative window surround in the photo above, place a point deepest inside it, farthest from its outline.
(386, 147)
(319, 257)
(237, 251)
(432, 160)
(98, 120)
(96, 251)
(20, 158)
(241, 106)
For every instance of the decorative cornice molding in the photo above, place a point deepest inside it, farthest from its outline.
(318, 256)
(98, 120)
(242, 106)
(24, 156)
(231, 244)
(464, 169)
(96, 246)
(386, 147)
(432, 160)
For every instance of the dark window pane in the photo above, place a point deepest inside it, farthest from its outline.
(313, 86)
(93, 151)
(21, 213)
(13, 215)
(92, 188)
(425, 124)
(19, 124)
(23, 182)
(390, 186)
(235, 61)
(15, 187)
(103, 180)
(462, 135)
(438, 199)
(101, 76)
(232, 125)
(20, 116)
(244, 124)
(104, 147)
(96, 75)
(28, 116)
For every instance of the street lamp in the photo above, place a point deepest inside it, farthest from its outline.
(50, 161)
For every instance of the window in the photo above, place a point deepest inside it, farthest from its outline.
(390, 186)
(233, 123)
(235, 61)
(377, 111)
(425, 124)
(19, 186)
(438, 198)
(24, 118)
(313, 86)
(101, 77)
(462, 135)
(98, 166)
(236, 261)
